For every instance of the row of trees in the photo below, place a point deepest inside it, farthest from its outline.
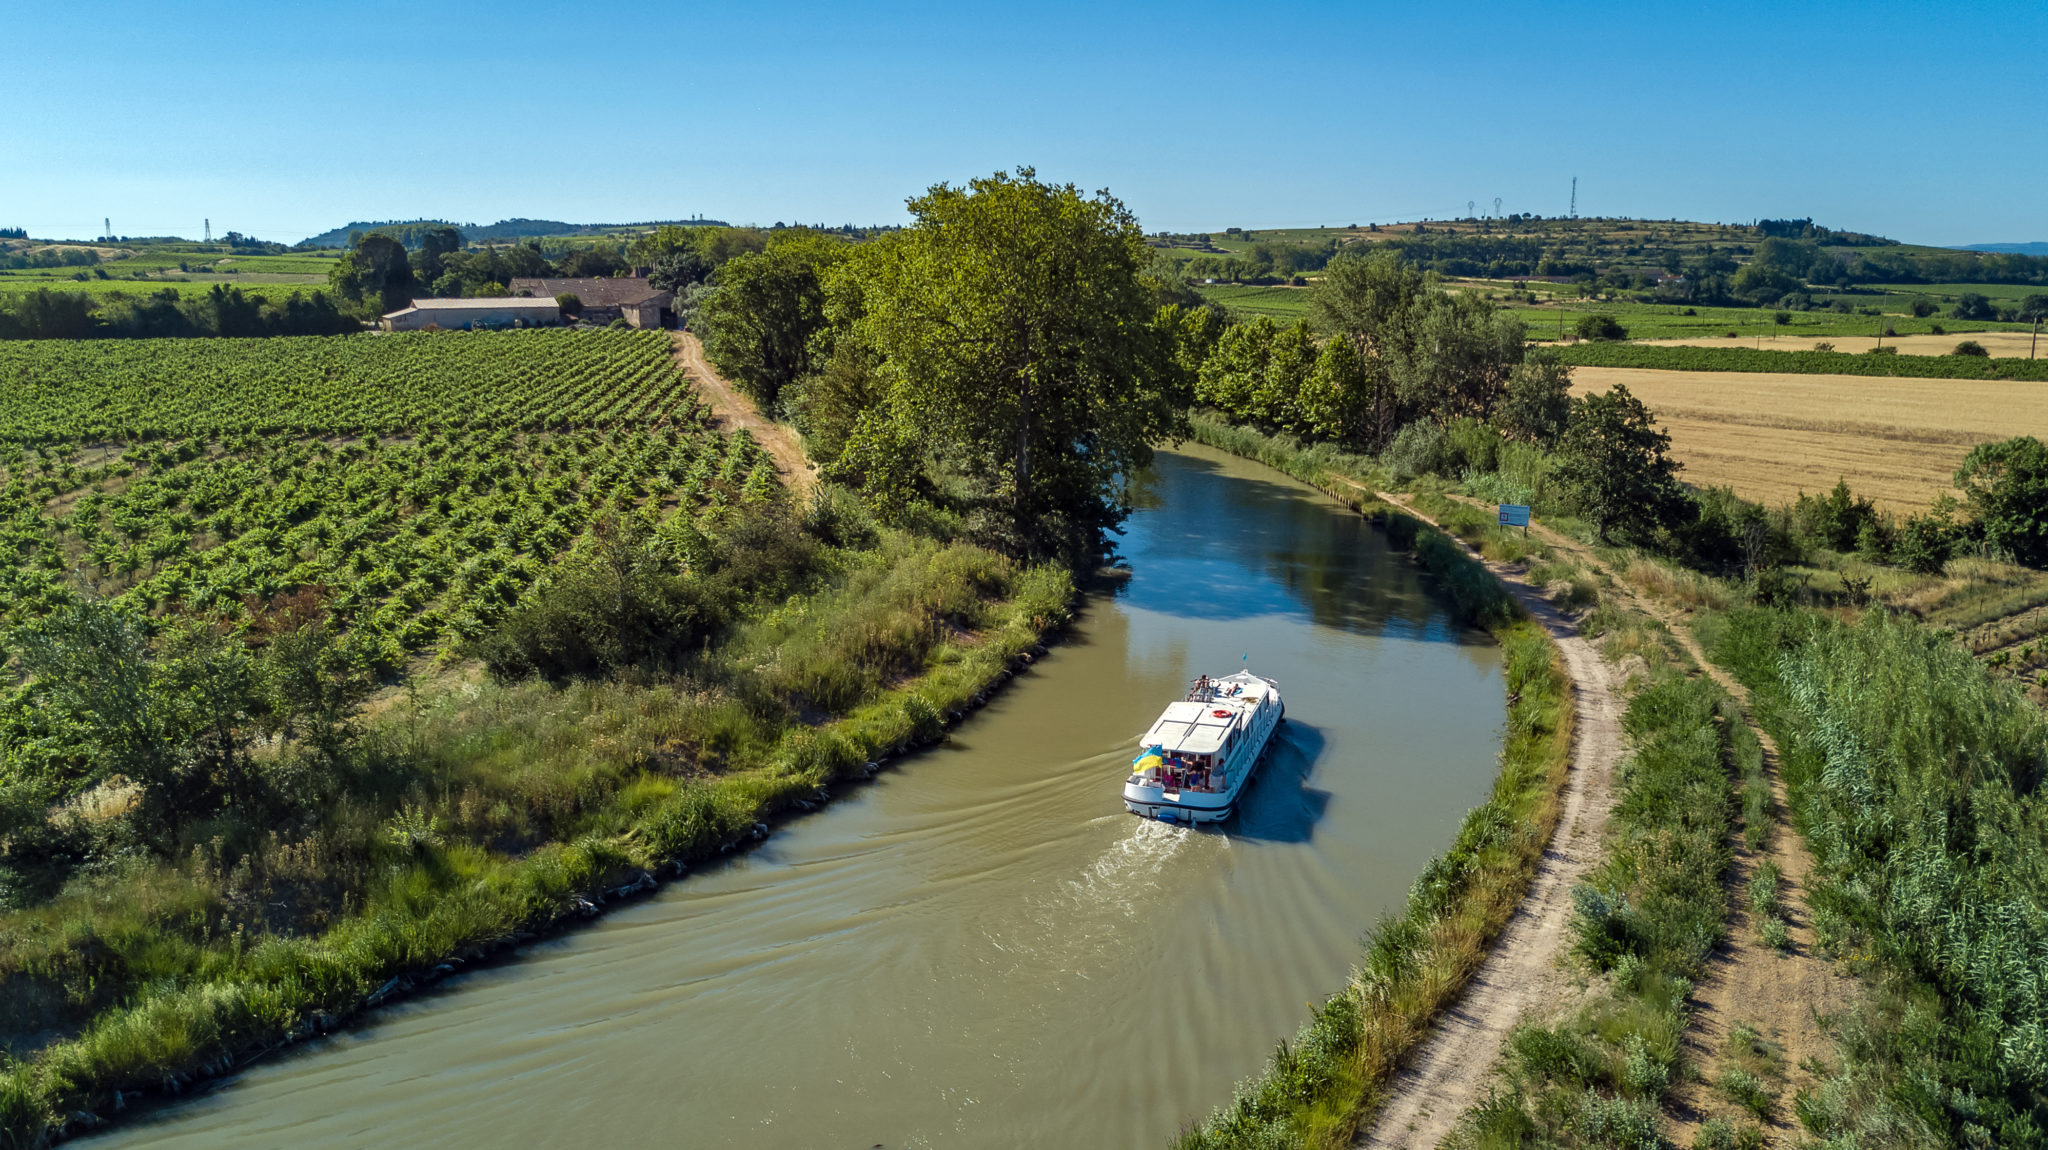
(1404, 352)
(383, 271)
(1010, 356)
(222, 311)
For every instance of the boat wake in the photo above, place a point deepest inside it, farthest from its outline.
(1133, 867)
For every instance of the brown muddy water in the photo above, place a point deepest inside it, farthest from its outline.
(981, 948)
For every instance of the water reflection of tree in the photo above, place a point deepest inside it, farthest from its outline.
(1210, 516)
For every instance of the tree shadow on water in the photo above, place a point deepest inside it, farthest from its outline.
(1280, 806)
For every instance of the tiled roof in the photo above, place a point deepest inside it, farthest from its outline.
(623, 291)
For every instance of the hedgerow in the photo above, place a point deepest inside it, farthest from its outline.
(1800, 362)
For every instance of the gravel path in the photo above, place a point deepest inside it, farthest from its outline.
(1448, 1074)
(734, 410)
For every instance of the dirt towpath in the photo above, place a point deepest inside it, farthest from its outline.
(734, 411)
(1782, 995)
(1448, 1075)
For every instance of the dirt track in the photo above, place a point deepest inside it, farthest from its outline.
(1781, 995)
(1448, 1075)
(734, 410)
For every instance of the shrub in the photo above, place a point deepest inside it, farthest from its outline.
(1621, 1123)
(1974, 306)
(1601, 925)
(1763, 890)
(610, 607)
(1971, 347)
(1746, 1090)
(1421, 448)
(1543, 1054)
(1774, 934)
(1643, 1075)
(1601, 328)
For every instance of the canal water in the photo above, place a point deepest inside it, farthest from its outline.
(980, 948)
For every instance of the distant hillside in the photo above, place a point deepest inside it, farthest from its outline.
(515, 229)
(2037, 248)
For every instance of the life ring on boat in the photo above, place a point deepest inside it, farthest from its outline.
(1220, 713)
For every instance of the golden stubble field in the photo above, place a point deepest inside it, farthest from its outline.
(1771, 436)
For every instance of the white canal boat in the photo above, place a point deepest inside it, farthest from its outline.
(1201, 754)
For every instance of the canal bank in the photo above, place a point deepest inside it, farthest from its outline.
(982, 941)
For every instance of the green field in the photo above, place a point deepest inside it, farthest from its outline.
(1643, 321)
(223, 560)
(1285, 303)
(184, 267)
(265, 286)
(423, 480)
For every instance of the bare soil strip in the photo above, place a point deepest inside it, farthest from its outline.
(734, 410)
(1449, 1073)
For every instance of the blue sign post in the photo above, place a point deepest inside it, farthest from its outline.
(1514, 515)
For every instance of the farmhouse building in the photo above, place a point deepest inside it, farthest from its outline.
(500, 311)
(630, 298)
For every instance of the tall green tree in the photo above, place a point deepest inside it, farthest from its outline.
(2005, 486)
(1424, 354)
(1014, 326)
(761, 323)
(1464, 350)
(1278, 392)
(1233, 373)
(436, 245)
(1337, 397)
(1613, 468)
(1537, 404)
(376, 274)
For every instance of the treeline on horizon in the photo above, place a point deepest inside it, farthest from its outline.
(165, 314)
(379, 274)
(1789, 257)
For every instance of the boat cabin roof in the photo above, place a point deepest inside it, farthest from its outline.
(1191, 728)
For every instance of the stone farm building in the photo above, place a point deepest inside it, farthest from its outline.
(449, 314)
(630, 298)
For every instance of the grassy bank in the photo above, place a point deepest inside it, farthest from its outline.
(1916, 776)
(1320, 1088)
(1646, 920)
(1800, 362)
(470, 817)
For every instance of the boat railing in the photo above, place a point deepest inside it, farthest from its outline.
(1206, 690)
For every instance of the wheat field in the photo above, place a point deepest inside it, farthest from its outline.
(1771, 436)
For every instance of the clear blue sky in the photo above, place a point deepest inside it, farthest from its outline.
(1920, 121)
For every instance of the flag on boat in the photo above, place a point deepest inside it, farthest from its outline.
(1151, 759)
